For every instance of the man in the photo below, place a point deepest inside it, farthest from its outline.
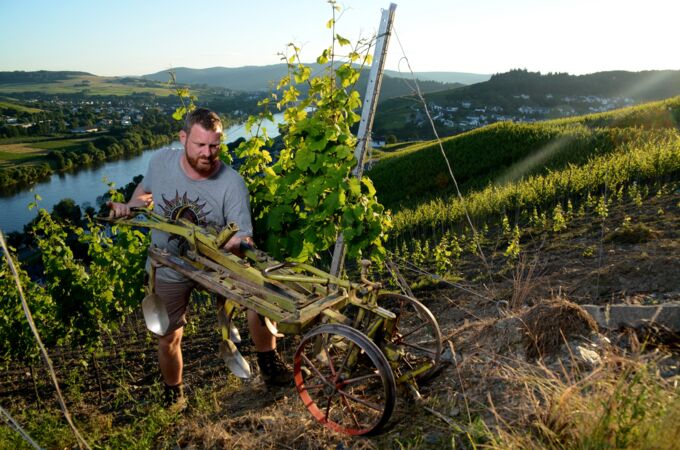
(197, 185)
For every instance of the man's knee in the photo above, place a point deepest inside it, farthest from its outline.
(170, 342)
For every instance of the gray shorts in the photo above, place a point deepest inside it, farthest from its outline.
(176, 297)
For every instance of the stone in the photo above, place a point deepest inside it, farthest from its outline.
(636, 316)
(449, 356)
(433, 437)
(586, 357)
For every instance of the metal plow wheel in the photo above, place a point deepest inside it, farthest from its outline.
(344, 380)
(417, 333)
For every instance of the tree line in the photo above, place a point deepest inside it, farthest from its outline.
(153, 131)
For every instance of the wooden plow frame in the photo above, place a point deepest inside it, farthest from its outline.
(358, 344)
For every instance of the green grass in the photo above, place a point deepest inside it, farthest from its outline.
(61, 144)
(141, 427)
(29, 139)
(86, 84)
(13, 156)
(36, 151)
(17, 154)
(19, 108)
(389, 148)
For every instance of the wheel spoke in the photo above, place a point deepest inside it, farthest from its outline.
(423, 325)
(328, 358)
(328, 407)
(316, 371)
(348, 353)
(418, 347)
(360, 400)
(351, 411)
(360, 378)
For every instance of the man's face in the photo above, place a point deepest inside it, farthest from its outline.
(202, 148)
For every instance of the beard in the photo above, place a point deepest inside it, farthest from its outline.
(202, 164)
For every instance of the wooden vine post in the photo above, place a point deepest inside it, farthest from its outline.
(367, 115)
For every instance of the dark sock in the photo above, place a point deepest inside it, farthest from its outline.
(173, 393)
(269, 354)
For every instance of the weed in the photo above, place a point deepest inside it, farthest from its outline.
(589, 251)
(631, 233)
(623, 404)
(522, 281)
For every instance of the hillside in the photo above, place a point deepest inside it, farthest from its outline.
(11, 108)
(499, 388)
(442, 77)
(640, 86)
(582, 213)
(524, 96)
(82, 83)
(40, 76)
(505, 152)
(265, 78)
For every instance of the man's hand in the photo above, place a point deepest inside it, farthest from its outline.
(140, 198)
(234, 244)
(118, 210)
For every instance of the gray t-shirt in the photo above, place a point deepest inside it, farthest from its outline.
(216, 201)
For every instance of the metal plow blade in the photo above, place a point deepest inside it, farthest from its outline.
(155, 315)
(234, 360)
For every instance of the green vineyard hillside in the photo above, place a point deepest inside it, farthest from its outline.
(490, 153)
(519, 166)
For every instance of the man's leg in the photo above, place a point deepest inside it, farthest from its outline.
(170, 357)
(264, 341)
(274, 371)
(175, 297)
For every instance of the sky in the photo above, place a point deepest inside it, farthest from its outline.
(133, 37)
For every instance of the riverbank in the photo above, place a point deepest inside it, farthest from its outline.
(23, 164)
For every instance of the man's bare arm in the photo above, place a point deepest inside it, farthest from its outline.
(140, 198)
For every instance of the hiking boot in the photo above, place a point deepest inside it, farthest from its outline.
(275, 372)
(173, 398)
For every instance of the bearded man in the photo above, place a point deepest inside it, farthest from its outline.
(202, 188)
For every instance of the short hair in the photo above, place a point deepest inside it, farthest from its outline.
(203, 117)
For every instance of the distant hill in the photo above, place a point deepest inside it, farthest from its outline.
(520, 95)
(81, 83)
(246, 78)
(40, 76)
(264, 78)
(640, 86)
(442, 77)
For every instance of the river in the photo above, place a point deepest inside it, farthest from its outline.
(85, 185)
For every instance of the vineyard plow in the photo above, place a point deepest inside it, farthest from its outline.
(358, 345)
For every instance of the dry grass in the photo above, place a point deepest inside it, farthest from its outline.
(550, 324)
(284, 424)
(624, 403)
(535, 332)
(523, 282)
